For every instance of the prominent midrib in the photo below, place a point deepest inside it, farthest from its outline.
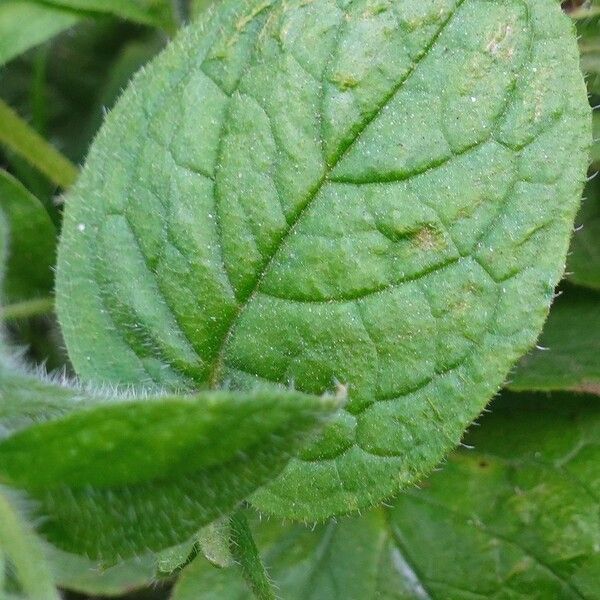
(217, 364)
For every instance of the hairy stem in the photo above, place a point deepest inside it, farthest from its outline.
(245, 553)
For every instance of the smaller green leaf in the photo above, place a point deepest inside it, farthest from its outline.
(147, 474)
(20, 545)
(583, 265)
(24, 25)
(568, 352)
(32, 242)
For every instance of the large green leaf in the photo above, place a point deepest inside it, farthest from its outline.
(24, 25)
(373, 196)
(568, 354)
(32, 235)
(517, 517)
(133, 475)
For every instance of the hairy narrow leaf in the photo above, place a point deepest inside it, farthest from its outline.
(24, 25)
(568, 353)
(147, 474)
(517, 517)
(368, 196)
(21, 138)
(32, 243)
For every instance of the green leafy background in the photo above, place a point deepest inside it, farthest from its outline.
(513, 513)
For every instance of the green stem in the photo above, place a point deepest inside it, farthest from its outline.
(245, 553)
(27, 308)
(21, 138)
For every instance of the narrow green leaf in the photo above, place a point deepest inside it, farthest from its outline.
(517, 517)
(24, 25)
(31, 248)
(24, 551)
(334, 194)
(17, 135)
(245, 554)
(583, 264)
(568, 353)
(157, 13)
(147, 474)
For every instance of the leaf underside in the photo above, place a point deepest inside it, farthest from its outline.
(367, 194)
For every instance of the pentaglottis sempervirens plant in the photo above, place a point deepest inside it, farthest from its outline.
(307, 247)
